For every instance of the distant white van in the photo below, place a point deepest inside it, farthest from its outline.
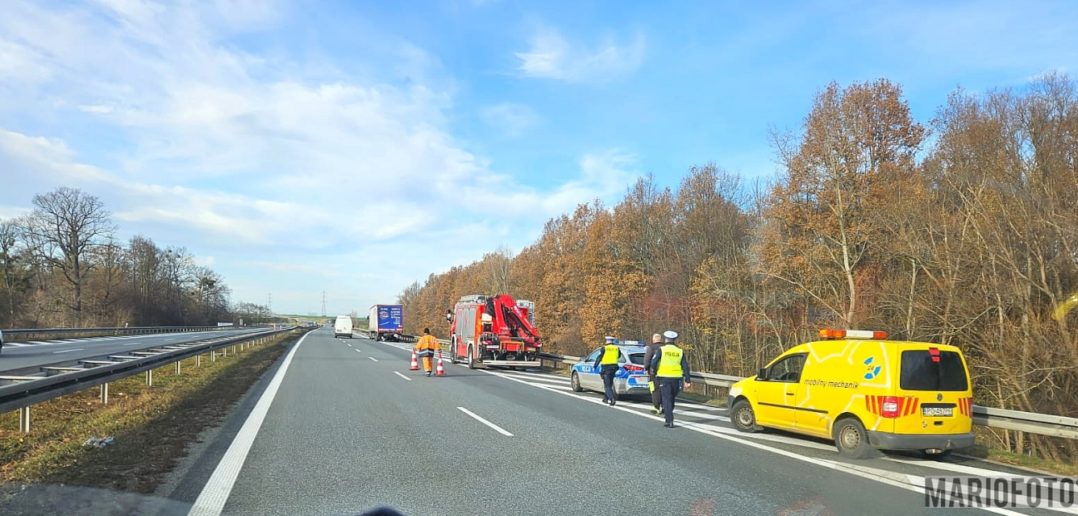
(343, 326)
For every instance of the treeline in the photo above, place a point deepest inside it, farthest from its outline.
(60, 266)
(963, 230)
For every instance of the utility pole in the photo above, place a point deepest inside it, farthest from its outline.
(323, 303)
(269, 303)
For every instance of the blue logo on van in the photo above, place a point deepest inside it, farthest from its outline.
(870, 370)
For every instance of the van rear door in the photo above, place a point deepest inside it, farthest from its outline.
(934, 394)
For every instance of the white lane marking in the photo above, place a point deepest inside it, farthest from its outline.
(211, 501)
(546, 381)
(701, 415)
(18, 345)
(357, 351)
(67, 350)
(373, 359)
(911, 482)
(496, 428)
(401, 375)
(959, 468)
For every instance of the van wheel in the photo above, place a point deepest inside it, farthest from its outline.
(851, 439)
(743, 417)
(574, 381)
(471, 358)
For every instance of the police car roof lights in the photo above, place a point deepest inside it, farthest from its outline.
(831, 333)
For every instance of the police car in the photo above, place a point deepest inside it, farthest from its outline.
(631, 378)
(864, 391)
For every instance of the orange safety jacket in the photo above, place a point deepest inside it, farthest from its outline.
(428, 343)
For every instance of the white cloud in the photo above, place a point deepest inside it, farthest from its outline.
(509, 118)
(231, 154)
(552, 57)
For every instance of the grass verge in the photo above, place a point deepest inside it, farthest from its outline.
(151, 426)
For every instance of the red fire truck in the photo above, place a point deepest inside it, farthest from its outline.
(494, 330)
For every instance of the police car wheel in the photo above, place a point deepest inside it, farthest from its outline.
(574, 381)
(851, 439)
(743, 417)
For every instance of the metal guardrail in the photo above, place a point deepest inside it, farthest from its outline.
(56, 380)
(26, 334)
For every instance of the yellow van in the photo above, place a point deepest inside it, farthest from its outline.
(863, 391)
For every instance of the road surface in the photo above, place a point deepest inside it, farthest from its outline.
(342, 426)
(18, 356)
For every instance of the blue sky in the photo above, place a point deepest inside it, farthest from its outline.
(355, 147)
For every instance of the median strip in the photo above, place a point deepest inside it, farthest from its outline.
(151, 426)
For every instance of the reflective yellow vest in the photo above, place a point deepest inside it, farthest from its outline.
(610, 354)
(670, 362)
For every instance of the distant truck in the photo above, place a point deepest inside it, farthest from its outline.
(342, 326)
(386, 322)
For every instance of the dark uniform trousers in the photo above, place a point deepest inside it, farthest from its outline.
(670, 388)
(607, 373)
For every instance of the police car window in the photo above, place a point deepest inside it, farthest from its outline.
(921, 373)
(787, 369)
(636, 358)
(593, 355)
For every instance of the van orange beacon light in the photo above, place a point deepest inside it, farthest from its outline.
(831, 333)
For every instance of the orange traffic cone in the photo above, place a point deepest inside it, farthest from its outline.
(415, 363)
(439, 370)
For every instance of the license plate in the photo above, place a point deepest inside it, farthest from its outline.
(640, 380)
(937, 411)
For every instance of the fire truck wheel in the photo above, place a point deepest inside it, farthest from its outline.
(471, 358)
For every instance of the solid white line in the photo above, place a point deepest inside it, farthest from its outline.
(373, 359)
(67, 350)
(211, 501)
(496, 428)
(911, 482)
(18, 345)
(401, 375)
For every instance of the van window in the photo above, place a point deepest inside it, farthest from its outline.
(920, 373)
(787, 369)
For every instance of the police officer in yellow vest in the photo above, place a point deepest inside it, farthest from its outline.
(671, 369)
(608, 361)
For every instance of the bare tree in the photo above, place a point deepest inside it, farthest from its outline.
(9, 258)
(70, 224)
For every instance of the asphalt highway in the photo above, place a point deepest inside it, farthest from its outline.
(342, 426)
(23, 355)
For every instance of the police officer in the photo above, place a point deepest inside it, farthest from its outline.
(649, 354)
(608, 360)
(425, 348)
(671, 369)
